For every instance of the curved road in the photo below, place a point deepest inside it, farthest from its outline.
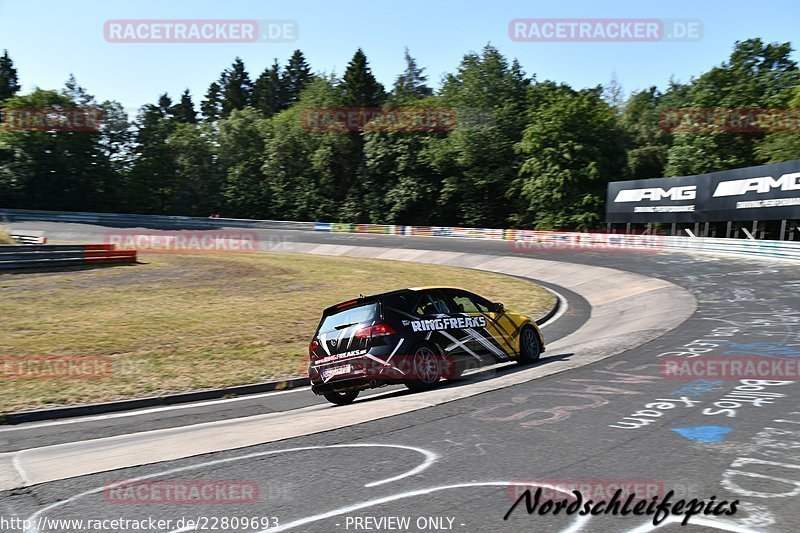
(460, 465)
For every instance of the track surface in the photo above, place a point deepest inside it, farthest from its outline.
(564, 427)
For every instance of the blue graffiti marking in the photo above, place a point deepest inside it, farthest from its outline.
(696, 388)
(704, 433)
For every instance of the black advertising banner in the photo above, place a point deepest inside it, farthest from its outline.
(767, 192)
(653, 200)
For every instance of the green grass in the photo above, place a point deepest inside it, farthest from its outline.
(178, 323)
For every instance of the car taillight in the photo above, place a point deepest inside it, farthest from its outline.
(313, 346)
(377, 330)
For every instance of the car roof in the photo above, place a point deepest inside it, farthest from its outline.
(381, 295)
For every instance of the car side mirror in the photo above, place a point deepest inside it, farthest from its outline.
(497, 307)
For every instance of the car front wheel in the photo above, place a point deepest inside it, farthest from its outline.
(529, 347)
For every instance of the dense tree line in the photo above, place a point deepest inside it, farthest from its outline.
(517, 152)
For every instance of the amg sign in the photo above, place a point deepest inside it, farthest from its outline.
(768, 192)
(765, 184)
(654, 194)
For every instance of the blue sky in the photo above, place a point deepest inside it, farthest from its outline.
(48, 40)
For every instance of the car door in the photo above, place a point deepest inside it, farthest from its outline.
(434, 306)
(493, 335)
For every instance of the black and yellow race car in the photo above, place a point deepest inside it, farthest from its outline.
(416, 337)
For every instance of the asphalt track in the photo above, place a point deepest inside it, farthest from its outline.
(448, 466)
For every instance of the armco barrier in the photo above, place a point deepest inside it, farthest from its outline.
(159, 221)
(14, 256)
(736, 247)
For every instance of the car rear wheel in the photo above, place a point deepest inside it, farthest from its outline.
(529, 347)
(341, 398)
(426, 368)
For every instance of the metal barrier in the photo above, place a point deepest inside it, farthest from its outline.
(13, 256)
(157, 221)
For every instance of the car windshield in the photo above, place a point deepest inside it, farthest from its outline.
(359, 314)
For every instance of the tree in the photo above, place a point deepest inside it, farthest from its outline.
(195, 190)
(487, 97)
(9, 82)
(782, 142)
(307, 172)
(184, 111)
(411, 84)
(268, 91)
(211, 107)
(613, 93)
(572, 148)
(57, 167)
(647, 140)
(237, 90)
(359, 88)
(116, 145)
(756, 75)
(241, 146)
(296, 76)
(153, 176)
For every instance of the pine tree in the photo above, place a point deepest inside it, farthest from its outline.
(267, 92)
(410, 85)
(184, 111)
(211, 107)
(295, 77)
(165, 104)
(9, 82)
(237, 90)
(360, 88)
(77, 93)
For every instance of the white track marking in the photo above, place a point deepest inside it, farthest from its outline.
(580, 521)
(430, 458)
(20, 470)
(563, 306)
(148, 411)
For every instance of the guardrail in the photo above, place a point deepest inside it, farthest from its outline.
(13, 256)
(158, 221)
(527, 240)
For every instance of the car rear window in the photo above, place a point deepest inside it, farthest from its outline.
(364, 313)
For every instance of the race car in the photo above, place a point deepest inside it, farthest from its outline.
(416, 337)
